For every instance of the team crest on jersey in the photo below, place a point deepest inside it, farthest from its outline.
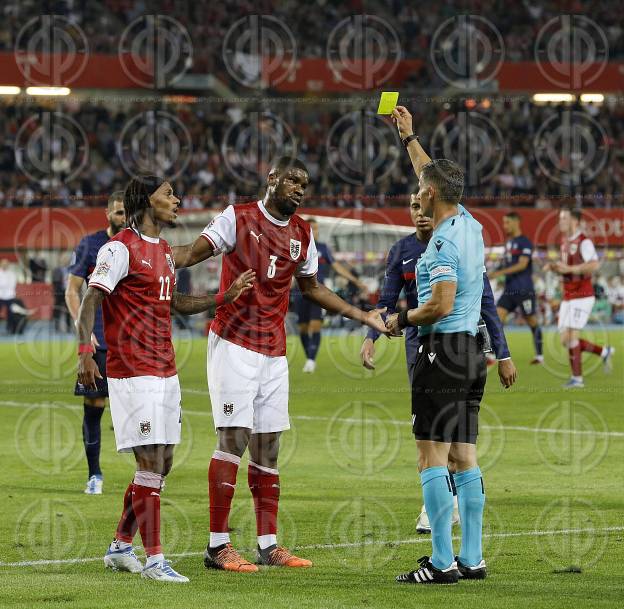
(295, 249)
(573, 248)
(102, 269)
(170, 263)
(228, 409)
(145, 428)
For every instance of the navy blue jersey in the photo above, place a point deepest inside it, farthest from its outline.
(325, 260)
(401, 275)
(82, 265)
(522, 281)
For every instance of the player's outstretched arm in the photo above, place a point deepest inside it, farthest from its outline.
(87, 368)
(312, 290)
(507, 372)
(438, 306)
(391, 290)
(189, 305)
(192, 253)
(403, 120)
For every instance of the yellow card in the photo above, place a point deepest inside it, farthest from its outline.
(388, 102)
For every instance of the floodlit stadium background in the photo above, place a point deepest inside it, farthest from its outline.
(526, 96)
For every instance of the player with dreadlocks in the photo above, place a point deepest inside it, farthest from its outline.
(134, 281)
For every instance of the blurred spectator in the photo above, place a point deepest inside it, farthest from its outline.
(615, 294)
(38, 268)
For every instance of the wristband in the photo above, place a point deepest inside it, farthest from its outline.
(402, 319)
(85, 348)
(408, 139)
(219, 299)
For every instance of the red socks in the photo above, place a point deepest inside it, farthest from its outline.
(585, 345)
(265, 489)
(221, 485)
(146, 506)
(575, 359)
(127, 527)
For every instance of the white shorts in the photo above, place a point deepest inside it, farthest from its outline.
(575, 313)
(145, 410)
(247, 389)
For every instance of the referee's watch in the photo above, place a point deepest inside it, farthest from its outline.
(402, 319)
(408, 139)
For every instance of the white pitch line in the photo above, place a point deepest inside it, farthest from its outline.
(337, 546)
(362, 421)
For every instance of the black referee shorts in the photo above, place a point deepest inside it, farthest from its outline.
(448, 380)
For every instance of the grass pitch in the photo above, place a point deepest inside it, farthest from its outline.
(350, 489)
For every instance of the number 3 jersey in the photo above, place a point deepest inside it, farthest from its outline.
(137, 273)
(251, 238)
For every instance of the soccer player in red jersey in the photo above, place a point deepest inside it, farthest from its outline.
(247, 367)
(578, 261)
(134, 281)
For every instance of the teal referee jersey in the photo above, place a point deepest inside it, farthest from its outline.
(455, 253)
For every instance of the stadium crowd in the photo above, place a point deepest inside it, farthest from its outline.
(222, 150)
(207, 23)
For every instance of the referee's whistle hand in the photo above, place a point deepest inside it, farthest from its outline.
(507, 373)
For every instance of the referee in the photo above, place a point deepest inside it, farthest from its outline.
(450, 372)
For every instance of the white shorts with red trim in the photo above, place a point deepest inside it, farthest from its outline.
(145, 410)
(575, 313)
(247, 389)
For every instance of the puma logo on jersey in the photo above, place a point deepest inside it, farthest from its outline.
(147, 263)
(256, 236)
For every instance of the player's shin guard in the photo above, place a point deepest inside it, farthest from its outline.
(127, 527)
(471, 499)
(265, 489)
(574, 352)
(146, 506)
(315, 343)
(305, 341)
(537, 340)
(585, 345)
(221, 485)
(438, 497)
(91, 434)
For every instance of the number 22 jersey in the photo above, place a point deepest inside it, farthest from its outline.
(251, 238)
(137, 273)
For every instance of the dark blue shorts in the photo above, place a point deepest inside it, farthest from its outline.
(525, 301)
(102, 384)
(307, 311)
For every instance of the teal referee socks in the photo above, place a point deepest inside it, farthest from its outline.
(471, 499)
(438, 497)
